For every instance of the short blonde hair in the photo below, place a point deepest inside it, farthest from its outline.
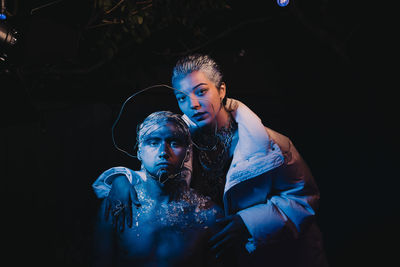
(197, 62)
(159, 117)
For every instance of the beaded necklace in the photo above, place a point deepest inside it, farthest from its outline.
(215, 160)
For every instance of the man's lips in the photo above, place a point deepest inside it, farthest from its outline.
(163, 164)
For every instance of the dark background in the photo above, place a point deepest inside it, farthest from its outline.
(316, 71)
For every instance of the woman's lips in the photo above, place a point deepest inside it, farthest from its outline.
(199, 116)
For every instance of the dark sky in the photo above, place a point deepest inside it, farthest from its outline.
(318, 74)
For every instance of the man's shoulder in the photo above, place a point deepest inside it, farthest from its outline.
(134, 177)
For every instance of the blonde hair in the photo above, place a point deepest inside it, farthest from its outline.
(197, 62)
(159, 117)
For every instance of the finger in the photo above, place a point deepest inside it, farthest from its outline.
(114, 217)
(224, 220)
(121, 221)
(129, 216)
(226, 253)
(221, 245)
(219, 236)
(107, 209)
(134, 197)
(220, 253)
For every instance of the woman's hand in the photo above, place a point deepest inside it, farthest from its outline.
(119, 202)
(233, 233)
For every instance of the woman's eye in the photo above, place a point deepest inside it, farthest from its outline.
(201, 92)
(181, 98)
(153, 143)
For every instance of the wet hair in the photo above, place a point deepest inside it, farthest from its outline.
(159, 118)
(198, 62)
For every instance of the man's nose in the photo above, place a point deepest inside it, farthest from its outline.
(163, 152)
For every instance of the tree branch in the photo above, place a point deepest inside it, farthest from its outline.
(114, 7)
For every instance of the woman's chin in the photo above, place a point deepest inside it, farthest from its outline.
(204, 125)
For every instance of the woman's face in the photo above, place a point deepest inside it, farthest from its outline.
(199, 98)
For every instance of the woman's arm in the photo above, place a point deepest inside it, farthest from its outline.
(116, 186)
(103, 183)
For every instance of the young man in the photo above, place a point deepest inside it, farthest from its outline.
(173, 222)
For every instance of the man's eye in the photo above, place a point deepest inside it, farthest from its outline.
(153, 143)
(175, 144)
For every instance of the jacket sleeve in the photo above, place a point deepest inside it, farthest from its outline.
(291, 201)
(102, 185)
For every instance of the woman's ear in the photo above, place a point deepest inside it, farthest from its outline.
(138, 155)
(222, 91)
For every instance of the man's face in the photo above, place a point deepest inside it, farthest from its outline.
(163, 150)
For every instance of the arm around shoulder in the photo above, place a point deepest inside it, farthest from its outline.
(103, 183)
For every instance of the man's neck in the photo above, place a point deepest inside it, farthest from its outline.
(171, 185)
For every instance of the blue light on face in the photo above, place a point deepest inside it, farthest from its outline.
(282, 2)
(2, 16)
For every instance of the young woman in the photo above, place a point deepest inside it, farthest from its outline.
(267, 190)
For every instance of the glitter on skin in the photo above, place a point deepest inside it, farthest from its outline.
(164, 230)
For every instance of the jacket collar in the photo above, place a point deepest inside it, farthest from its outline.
(255, 153)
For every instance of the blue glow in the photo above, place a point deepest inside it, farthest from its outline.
(282, 2)
(3, 16)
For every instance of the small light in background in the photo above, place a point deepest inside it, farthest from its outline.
(282, 2)
(8, 35)
(8, 41)
(3, 15)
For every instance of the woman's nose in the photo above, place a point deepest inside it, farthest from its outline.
(194, 102)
